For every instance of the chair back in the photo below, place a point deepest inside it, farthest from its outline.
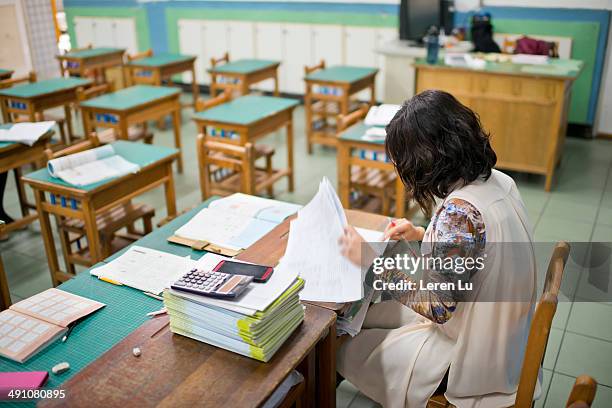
(540, 326)
(84, 94)
(345, 121)
(223, 59)
(29, 78)
(89, 143)
(202, 105)
(140, 55)
(583, 392)
(310, 69)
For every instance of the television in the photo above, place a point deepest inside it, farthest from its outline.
(416, 16)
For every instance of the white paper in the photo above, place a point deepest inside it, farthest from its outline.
(26, 133)
(91, 166)
(530, 59)
(381, 115)
(256, 207)
(375, 134)
(312, 249)
(145, 269)
(256, 297)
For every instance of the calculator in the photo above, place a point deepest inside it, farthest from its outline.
(213, 284)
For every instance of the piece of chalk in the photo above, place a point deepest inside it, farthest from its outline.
(136, 351)
(60, 368)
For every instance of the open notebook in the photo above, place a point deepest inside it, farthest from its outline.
(32, 324)
(91, 166)
(233, 223)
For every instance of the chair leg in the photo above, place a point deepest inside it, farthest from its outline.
(147, 224)
(66, 247)
(269, 171)
(385, 203)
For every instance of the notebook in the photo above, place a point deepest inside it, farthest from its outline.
(91, 166)
(233, 223)
(32, 324)
(26, 133)
(21, 381)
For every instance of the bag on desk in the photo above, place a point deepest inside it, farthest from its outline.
(482, 34)
(532, 46)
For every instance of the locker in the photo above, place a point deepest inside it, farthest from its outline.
(269, 45)
(240, 39)
(191, 43)
(327, 43)
(297, 39)
(125, 34)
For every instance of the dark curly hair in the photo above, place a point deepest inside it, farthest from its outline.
(437, 144)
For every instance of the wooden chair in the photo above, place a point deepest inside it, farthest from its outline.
(538, 332)
(215, 85)
(64, 68)
(227, 166)
(141, 76)
(371, 179)
(40, 116)
(109, 135)
(109, 222)
(583, 392)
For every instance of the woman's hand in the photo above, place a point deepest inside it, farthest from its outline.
(403, 229)
(351, 245)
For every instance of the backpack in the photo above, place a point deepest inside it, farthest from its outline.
(528, 45)
(482, 34)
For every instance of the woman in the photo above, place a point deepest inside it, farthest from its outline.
(410, 344)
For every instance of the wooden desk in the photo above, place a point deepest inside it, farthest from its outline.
(12, 157)
(153, 70)
(5, 295)
(524, 107)
(30, 99)
(58, 198)
(241, 74)
(92, 60)
(5, 73)
(251, 118)
(328, 93)
(134, 105)
(350, 146)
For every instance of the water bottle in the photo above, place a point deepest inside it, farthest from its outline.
(432, 42)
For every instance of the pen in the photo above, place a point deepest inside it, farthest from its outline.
(110, 281)
(157, 312)
(69, 331)
(154, 296)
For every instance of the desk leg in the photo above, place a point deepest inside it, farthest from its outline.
(400, 198)
(373, 93)
(5, 295)
(276, 91)
(123, 128)
(170, 193)
(344, 174)
(195, 89)
(290, 155)
(91, 230)
(6, 118)
(47, 236)
(23, 201)
(308, 369)
(176, 123)
(68, 114)
(326, 369)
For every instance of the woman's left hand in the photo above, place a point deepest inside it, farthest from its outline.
(351, 244)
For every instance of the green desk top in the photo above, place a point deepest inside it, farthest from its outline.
(160, 60)
(92, 52)
(561, 68)
(243, 66)
(246, 109)
(138, 153)
(131, 97)
(125, 311)
(5, 71)
(44, 87)
(355, 134)
(341, 73)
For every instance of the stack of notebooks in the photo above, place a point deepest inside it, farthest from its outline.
(255, 325)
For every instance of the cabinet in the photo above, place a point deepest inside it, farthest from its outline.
(297, 47)
(106, 32)
(269, 45)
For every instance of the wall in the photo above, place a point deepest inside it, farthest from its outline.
(157, 25)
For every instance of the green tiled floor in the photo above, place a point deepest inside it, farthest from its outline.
(578, 209)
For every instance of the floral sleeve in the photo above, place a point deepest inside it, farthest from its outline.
(458, 231)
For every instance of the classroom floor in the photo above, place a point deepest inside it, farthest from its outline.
(578, 209)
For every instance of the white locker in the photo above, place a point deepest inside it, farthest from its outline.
(83, 29)
(383, 35)
(327, 43)
(125, 34)
(240, 39)
(269, 45)
(359, 46)
(214, 41)
(297, 53)
(191, 43)
(104, 32)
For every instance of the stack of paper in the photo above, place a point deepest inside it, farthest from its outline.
(254, 325)
(91, 166)
(381, 115)
(236, 222)
(26, 132)
(312, 249)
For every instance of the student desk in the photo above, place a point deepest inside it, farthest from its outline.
(5, 73)
(153, 70)
(351, 145)
(58, 198)
(30, 99)
(524, 107)
(14, 156)
(134, 105)
(241, 74)
(5, 295)
(252, 117)
(79, 62)
(328, 93)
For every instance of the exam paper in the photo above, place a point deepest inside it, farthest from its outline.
(26, 133)
(312, 249)
(261, 208)
(91, 166)
(145, 269)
